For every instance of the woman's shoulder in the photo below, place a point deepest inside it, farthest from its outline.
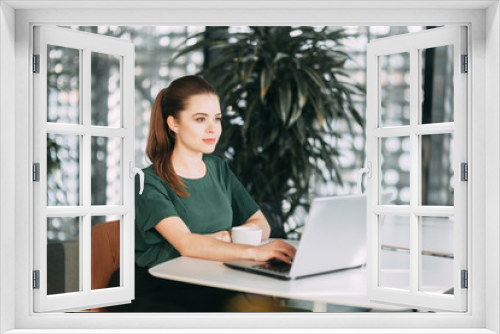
(150, 172)
(153, 180)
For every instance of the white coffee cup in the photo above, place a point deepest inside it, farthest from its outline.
(248, 235)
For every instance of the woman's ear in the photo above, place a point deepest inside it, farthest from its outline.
(172, 124)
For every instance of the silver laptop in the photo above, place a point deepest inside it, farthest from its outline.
(334, 239)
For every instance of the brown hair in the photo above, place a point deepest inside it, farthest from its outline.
(161, 141)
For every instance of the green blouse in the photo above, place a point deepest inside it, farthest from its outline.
(216, 202)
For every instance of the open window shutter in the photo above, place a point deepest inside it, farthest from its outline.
(417, 103)
(83, 154)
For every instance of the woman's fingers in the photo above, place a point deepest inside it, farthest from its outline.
(287, 249)
(287, 255)
(278, 249)
(282, 257)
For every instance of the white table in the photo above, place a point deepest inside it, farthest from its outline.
(346, 287)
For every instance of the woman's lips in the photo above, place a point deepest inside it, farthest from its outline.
(209, 140)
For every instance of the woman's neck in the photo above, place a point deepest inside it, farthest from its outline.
(188, 165)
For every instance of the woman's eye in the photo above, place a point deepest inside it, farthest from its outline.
(218, 119)
(201, 119)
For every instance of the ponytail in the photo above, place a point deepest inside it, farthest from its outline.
(160, 147)
(161, 140)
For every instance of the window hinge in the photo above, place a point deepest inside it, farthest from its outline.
(465, 279)
(36, 63)
(464, 171)
(465, 64)
(36, 279)
(36, 172)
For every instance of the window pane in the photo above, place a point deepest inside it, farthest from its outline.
(395, 168)
(437, 170)
(394, 251)
(395, 89)
(437, 84)
(106, 90)
(437, 254)
(63, 170)
(63, 85)
(63, 255)
(106, 170)
(105, 250)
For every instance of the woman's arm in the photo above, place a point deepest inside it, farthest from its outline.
(258, 219)
(202, 246)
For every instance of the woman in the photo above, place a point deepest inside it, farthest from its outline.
(191, 200)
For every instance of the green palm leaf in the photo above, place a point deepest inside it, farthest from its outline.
(282, 89)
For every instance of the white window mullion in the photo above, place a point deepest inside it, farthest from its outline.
(66, 211)
(392, 209)
(435, 211)
(86, 138)
(100, 131)
(420, 250)
(396, 131)
(108, 210)
(374, 197)
(40, 156)
(67, 129)
(460, 152)
(414, 253)
(432, 129)
(80, 130)
(376, 284)
(127, 259)
(85, 245)
(372, 151)
(80, 211)
(415, 187)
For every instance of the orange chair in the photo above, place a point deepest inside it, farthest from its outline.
(105, 255)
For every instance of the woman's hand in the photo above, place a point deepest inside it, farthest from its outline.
(277, 249)
(218, 246)
(222, 236)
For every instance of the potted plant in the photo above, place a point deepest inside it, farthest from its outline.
(282, 89)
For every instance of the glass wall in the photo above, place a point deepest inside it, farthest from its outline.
(155, 46)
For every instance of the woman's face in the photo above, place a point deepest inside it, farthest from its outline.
(198, 127)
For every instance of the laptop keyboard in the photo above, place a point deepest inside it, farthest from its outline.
(275, 266)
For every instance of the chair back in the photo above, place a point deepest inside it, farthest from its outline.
(105, 256)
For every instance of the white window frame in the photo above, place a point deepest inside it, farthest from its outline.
(412, 44)
(483, 20)
(86, 43)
